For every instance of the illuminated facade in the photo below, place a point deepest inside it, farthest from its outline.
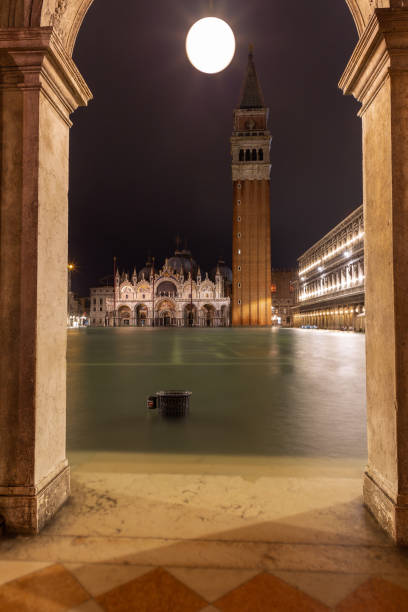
(176, 295)
(251, 244)
(283, 296)
(330, 286)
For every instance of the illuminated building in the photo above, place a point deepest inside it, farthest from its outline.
(330, 285)
(251, 259)
(283, 296)
(175, 295)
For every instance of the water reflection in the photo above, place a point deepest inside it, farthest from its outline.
(262, 392)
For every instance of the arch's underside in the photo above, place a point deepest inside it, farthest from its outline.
(67, 15)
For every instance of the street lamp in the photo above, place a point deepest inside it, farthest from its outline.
(71, 267)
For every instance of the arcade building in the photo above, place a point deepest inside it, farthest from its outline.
(176, 295)
(330, 288)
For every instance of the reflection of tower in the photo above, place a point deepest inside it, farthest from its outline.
(251, 258)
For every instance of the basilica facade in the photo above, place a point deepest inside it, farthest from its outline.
(175, 295)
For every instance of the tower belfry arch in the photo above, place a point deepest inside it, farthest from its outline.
(40, 88)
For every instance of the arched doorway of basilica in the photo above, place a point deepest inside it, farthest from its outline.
(190, 315)
(38, 40)
(208, 315)
(166, 313)
(141, 315)
(125, 316)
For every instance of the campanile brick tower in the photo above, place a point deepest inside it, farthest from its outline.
(251, 244)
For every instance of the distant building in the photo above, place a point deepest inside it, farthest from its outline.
(78, 310)
(176, 295)
(329, 289)
(283, 296)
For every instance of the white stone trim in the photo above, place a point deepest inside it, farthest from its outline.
(251, 172)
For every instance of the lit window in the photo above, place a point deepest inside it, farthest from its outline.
(239, 251)
(273, 288)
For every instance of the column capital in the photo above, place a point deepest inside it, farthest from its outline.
(381, 50)
(34, 58)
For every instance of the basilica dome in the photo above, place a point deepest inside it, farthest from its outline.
(181, 262)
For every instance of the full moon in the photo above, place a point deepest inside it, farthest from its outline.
(210, 45)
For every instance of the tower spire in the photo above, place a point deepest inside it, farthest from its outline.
(251, 93)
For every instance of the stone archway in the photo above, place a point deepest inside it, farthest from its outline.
(166, 313)
(141, 315)
(125, 316)
(208, 315)
(190, 315)
(41, 87)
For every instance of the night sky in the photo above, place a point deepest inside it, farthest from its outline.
(150, 156)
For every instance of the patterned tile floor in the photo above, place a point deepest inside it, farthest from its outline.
(164, 541)
(112, 588)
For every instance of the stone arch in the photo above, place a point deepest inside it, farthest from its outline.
(124, 316)
(208, 315)
(190, 315)
(67, 15)
(141, 314)
(166, 288)
(166, 312)
(36, 390)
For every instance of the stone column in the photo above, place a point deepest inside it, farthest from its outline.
(39, 88)
(377, 75)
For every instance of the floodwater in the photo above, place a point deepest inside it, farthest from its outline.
(256, 392)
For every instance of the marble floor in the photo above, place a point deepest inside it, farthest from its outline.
(206, 535)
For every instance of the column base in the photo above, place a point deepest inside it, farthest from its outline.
(391, 516)
(28, 513)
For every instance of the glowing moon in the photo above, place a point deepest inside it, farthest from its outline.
(210, 45)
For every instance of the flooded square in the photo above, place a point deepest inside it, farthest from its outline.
(271, 394)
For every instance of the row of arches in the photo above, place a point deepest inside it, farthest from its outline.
(251, 155)
(166, 316)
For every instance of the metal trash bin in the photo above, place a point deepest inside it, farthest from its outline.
(170, 403)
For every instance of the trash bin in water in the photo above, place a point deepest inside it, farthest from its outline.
(170, 403)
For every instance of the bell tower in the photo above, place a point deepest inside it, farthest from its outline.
(251, 243)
